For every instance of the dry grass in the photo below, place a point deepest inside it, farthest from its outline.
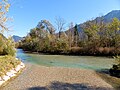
(7, 63)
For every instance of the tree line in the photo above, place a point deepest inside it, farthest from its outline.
(94, 37)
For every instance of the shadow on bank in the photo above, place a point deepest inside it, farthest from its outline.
(112, 80)
(67, 86)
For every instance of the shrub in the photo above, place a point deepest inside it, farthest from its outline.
(117, 60)
(115, 70)
(9, 47)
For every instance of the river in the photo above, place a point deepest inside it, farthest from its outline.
(85, 62)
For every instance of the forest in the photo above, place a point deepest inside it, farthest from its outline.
(94, 37)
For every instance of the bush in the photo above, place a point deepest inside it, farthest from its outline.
(115, 70)
(9, 47)
(117, 60)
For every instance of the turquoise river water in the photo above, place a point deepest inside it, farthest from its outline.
(86, 62)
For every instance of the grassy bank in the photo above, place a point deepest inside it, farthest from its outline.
(7, 63)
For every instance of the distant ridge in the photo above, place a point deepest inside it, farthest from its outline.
(113, 14)
(16, 38)
(106, 18)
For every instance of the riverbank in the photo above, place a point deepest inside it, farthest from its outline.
(37, 77)
(79, 51)
(114, 81)
(70, 53)
(10, 67)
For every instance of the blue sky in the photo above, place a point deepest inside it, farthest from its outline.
(27, 13)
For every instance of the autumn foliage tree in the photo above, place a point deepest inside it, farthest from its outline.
(4, 8)
(7, 46)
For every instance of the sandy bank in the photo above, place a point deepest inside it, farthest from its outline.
(37, 77)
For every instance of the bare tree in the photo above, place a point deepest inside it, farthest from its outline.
(60, 22)
(70, 34)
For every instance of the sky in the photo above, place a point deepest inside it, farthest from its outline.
(27, 13)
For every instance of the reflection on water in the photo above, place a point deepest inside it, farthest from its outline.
(86, 62)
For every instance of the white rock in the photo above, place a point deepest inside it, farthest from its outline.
(22, 65)
(12, 75)
(0, 79)
(8, 73)
(6, 78)
(17, 68)
(1, 82)
(17, 59)
(13, 71)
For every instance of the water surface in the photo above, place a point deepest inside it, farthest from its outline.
(86, 62)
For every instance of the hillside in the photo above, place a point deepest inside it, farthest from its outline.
(16, 38)
(106, 18)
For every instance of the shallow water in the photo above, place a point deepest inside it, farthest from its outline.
(86, 62)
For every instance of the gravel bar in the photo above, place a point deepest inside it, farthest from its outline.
(36, 77)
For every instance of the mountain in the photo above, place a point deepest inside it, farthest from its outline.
(113, 14)
(16, 38)
(106, 18)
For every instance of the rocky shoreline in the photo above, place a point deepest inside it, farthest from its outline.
(11, 73)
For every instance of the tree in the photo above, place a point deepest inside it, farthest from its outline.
(91, 30)
(76, 34)
(40, 38)
(70, 35)
(46, 25)
(9, 47)
(114, 31)
(60, 22)
(4, 8)
(49, 33)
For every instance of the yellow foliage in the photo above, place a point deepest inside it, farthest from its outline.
(4, 8)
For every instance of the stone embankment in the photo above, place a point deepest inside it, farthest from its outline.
(12, 73)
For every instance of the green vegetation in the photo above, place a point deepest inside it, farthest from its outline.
(7, 46)
(96, 38)
(7, 63)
